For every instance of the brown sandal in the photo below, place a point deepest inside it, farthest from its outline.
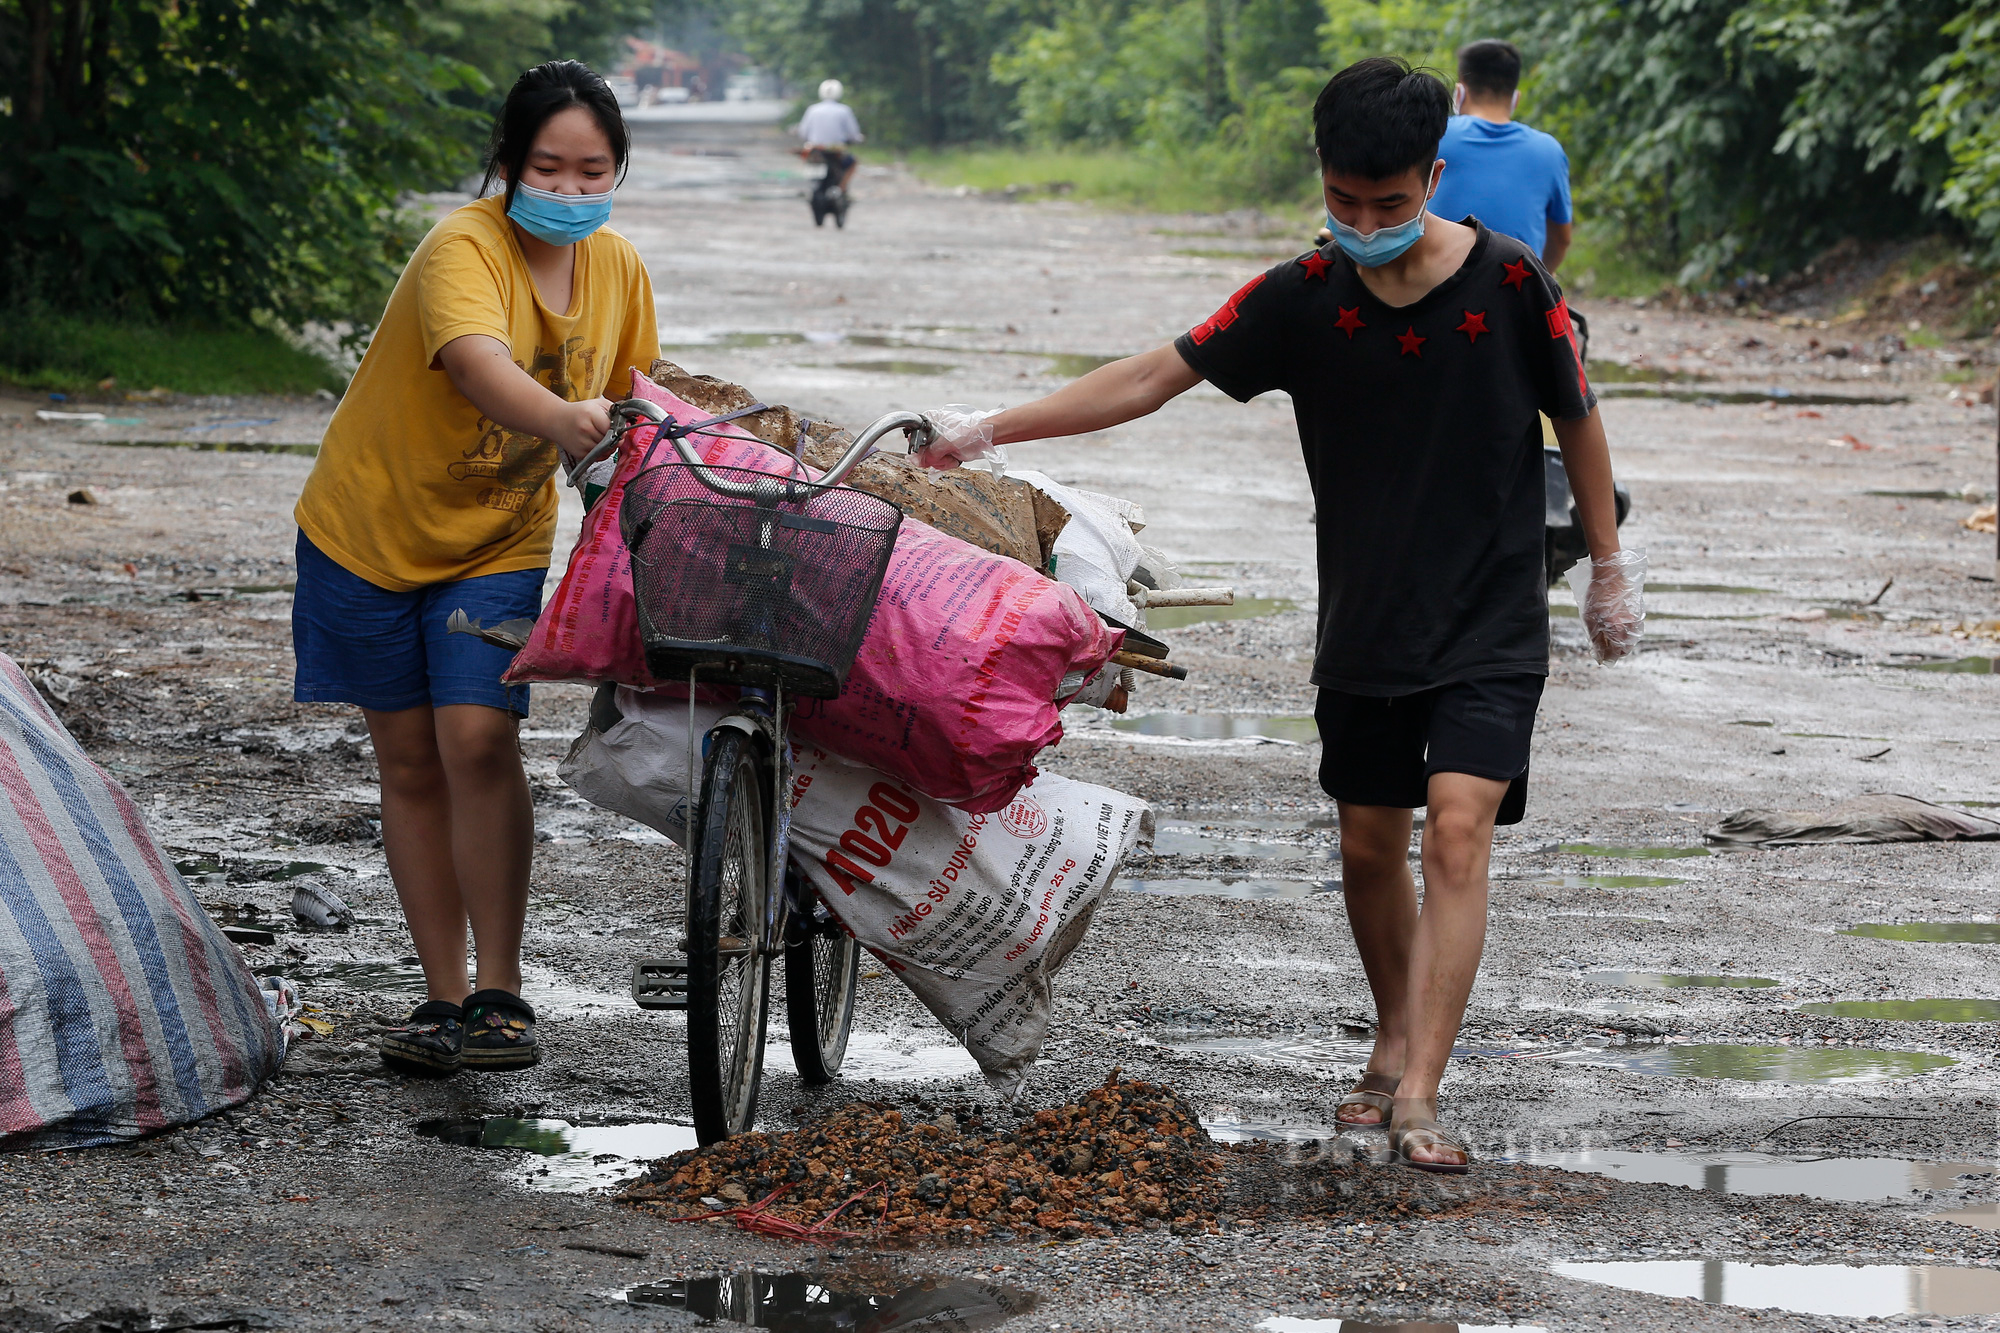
(1371, 1094)
(1424, 1132)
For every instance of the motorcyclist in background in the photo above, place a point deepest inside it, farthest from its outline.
(827, 127)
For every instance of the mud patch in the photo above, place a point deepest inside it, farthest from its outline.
(1853, 1291)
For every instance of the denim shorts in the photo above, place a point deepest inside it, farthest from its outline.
(357, 643)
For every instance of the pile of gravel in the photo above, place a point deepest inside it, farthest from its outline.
(1125, 1154)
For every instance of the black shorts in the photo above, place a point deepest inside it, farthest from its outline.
(1383, 751)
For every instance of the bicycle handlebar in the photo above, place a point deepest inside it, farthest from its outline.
(626, 415)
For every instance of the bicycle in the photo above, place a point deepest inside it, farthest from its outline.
(765, 583)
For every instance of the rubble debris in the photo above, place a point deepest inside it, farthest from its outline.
(1125, 1154)
(1872, 817)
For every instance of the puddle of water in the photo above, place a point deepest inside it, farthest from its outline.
(1246, 608)
(1225, 1124)
(218, 446)
(1832, 736)
(1839, 1179)
(1676, 980)
(1219, 840)
(1284, 1323)
(903, 1059)
(1708, 587)
(898, 367)
(1929, 932)
(1632, 853)
(1070, 365)
(1910, 1011)
(1919, 495)
(293, 869)
(1753, 722)
(249, 589)
(575, 1157)
(807, 1302)
(1765, 1064)
(1776, 395)
(1609, 881)
(1853, 1291)
(1963, 666)
(1984, 1216)
(400, 976)
(1232, 888)
(1342, 1052)
(1220, 726)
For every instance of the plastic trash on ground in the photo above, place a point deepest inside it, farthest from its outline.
(957, 684)
(123, 1009)
(314, 904)
(973, 912)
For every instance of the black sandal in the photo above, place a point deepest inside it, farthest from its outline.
(499, 1031)
(429, 1042)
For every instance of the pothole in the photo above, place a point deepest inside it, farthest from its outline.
(1764, 1064)
(1836, 1179)
(1966, 666)
(574, 1157)
(1246, 608)
(1639, 852)
(1910, 1011)
(890, 1058)
(1228, 840)
(1677, 980)
(1260, 889)
(1853, 1291)
(812, 1302)
(1221, 727)
(1929, 932)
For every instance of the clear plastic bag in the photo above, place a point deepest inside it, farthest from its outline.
(1610, 597)
(963, 434)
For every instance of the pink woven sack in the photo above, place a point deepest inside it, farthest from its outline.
(954, 688)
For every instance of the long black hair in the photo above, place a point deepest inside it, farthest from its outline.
(539, 94)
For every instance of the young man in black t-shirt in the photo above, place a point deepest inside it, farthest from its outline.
(1419, 354)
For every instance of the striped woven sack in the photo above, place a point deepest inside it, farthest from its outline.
(123, 1009)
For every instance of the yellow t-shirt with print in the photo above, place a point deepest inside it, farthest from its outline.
(413, 484)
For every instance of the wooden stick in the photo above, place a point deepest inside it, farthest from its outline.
(1152, 666)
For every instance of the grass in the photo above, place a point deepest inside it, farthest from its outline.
(1600, 264)
(1116, 177)
(57, 353)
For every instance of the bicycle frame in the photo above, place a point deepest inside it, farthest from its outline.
(758, 711)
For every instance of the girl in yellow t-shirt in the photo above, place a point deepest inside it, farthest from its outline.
(434, 491)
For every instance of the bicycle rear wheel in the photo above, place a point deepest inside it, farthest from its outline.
(820, 974)
(728, 975)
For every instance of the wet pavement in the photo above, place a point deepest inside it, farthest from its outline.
(1618, 1011)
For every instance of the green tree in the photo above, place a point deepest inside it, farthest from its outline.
(218, 159)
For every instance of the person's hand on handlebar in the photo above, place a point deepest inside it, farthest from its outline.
(959, 434)
(582, 426)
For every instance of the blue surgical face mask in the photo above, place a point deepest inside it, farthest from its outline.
(559, 219)
(1380, 246)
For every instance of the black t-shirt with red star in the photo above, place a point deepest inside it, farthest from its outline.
(1424, 448)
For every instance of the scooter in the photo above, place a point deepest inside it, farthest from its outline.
(829, 199)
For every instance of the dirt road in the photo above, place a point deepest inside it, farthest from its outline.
(1773, 675)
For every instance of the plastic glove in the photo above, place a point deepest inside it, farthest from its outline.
(961, 434)
(1609, 597)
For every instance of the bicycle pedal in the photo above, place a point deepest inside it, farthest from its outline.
(660, 983)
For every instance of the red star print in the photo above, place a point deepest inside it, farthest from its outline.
(1413, 342)
(1349, 321)
(1517, 275)
(1475, 324)
(1316, 265)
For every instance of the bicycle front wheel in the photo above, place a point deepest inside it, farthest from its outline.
(820, 975)
(728, 973)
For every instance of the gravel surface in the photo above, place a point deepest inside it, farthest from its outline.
(1774, 675)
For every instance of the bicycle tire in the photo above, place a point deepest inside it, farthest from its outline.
(728, 976)
(820, 975)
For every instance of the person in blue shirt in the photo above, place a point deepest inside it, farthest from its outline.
(1513, 178)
